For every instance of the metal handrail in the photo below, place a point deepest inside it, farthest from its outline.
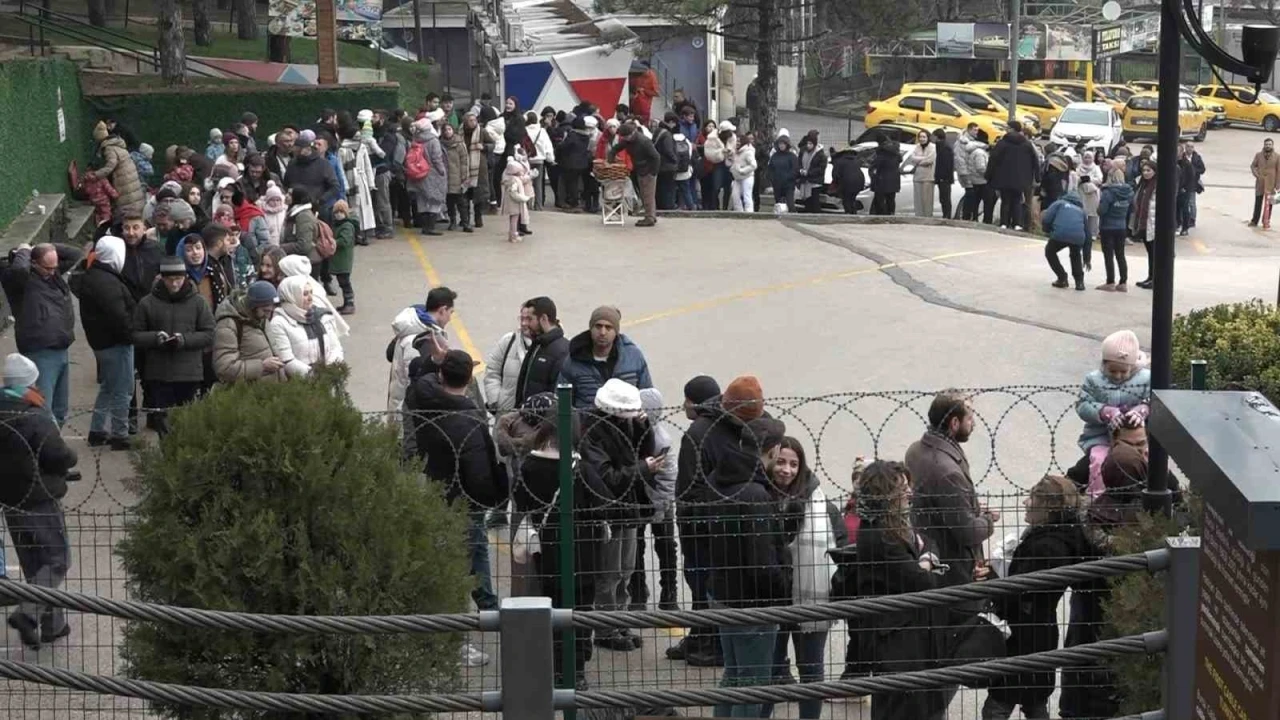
(71, 19)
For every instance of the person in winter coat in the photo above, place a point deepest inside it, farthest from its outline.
(1119, 389)
(241, 349)
(980, 194)
(216, 147)
(813, 170)
(453, 441)
(173, 327)
(542, 155)
(256, 178)
(1055, 536)
(515, 201)
(748, 562)
(924, 156)
(429, 192)
(118, 168)
(893, 558)
(713, 155)
(99, 193)
(302, 334)
(573, 157)
(345, 232)
(476, 186)
(353, 151)
(502, 364)
(784, 168)
(1188, 180)
(548, 349)
(1266, 172)
(1090, 194)
(1012, 170)
(409, 328)
(661, 493)
(106, 312)
(1053, 185)
(944, 170)
(300, 228)
(458, 159)
(142, 258)
(647, 166)
(743, 169)
(33, 478)
(1114, 204)
(623, 359)
(1066, 225)
(251, 225)
(848, 177)
(44, 316)
(665, 143)
(299, 266)
(274, 211)
(207, 273)
(685, 178)
(310, 172)
(1142, 221)
(618, 460)
(807, 527)
(886, 177)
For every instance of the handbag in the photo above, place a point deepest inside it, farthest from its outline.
(526, 543)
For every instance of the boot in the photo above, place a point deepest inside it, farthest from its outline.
(523, 229)
(362, 238)
(429, 225)
(453, 223)
(479, 216)
(464, 215)
(348, 308)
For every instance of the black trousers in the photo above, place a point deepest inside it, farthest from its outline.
(849, 201)
(695, 552)
(401, 202)
(969, 202)
(458, 208)
(1257, 209)
(1113, 255)
(586, 549)
(884, 204)
(1010, 208)
(944, 197)
(1151, 258)
(987, 195)
(664, 545)
(167, 395)
(666, 196)
(348, 293)
(1051, 250)
(570, 193)
(813, 203)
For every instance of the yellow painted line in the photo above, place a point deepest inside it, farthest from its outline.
(1200, 247)
(458, 327)
(816, 280)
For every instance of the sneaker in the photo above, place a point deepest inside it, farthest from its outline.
(615, 641)
(97, 439)
(1018, 228)
(1122, 288)
(28, 629)
(1061, 283)
(473, 656)
(121, 443)
(646, 222)
(1107, 287)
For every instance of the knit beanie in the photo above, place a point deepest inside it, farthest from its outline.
(261, 294)
(609, 314)
(1122, 347)
(146, 150)
(364, 116)
(100, 131)
(19, 371)
(743, 398)
(701, 389)
(180, 211)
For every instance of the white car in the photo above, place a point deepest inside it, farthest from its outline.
(1095, 124)
(865, 146)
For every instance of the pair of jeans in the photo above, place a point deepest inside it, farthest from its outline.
(1051, 250)
(115, 391)
(969, 203)
(1113, 255)
(748, 661)
(478, 544)
(1184, 210)
(740, 200)
(1191, 207)
(617, 562)
(811, 649)
(1011, 208)
(167, 395)
(687, 194)
(54, 381)
(39, 535)
(711, 189)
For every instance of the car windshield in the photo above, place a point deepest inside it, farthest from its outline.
(1267, 97)
(1121, 93)
(1085, 116)
(1070, 92)
(961, 105)
(1059, 97)
(1143, 103)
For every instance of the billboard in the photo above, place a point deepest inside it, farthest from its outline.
(991, 40)
(356, 19)
(1128, 36)
(955, 40)
(1031, 41)
(1068, 42)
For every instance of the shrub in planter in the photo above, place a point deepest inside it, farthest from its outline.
(282, 498)
(1240, 342)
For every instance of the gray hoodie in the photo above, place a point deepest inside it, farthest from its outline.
(662, 491)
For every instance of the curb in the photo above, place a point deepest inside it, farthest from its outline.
(841, 219)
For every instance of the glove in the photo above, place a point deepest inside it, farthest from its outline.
(1109, 415)
(1137, 415)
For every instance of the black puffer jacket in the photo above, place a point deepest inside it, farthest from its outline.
(106, 307)
(315, 175)
(847, 174)
(141, 266)
(184, 312)
(453, 438)
(612, 468)
(44, 318)
(34, 459)
(886, 168)
(1013, 164)
(541, 368)
(573, 152)
(665, 143)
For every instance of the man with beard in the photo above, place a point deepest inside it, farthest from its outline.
(280, 154)
(944, 506)
(540, 368)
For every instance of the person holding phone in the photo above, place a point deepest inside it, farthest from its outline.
(174, 325)
(661, 488)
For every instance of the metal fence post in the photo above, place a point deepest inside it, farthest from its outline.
(568, 598)
(1199, 374)
(527, 659)
(1182, 603)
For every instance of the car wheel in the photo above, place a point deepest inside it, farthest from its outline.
(1204, 132)
(1271, 123)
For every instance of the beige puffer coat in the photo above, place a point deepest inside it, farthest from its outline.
(118, 168)
(240, 344)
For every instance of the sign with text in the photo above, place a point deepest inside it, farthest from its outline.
(1237, 668)
(1139, 33)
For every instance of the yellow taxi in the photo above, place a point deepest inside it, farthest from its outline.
(1145, 85)
(1244, 107)
(1044, 103)
(1140, 113)
(932, 109)
(982, 100)
(1077, 89)
(1119, 92)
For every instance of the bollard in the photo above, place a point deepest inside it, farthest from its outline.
(1182, 605)
(527, 659)
(1199, 374)
(568, 598)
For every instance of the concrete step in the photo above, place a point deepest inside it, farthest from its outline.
(49, 218)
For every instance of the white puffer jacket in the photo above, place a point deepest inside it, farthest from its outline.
(502, 370)
(298, 352)
(813, 567)
(406, 326)
(744, 162)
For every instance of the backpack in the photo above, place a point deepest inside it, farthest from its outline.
(416, 165)
(326, 246)
(684, 155)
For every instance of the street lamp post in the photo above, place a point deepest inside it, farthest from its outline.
(1259, 45)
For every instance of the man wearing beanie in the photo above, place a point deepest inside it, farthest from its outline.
(34, 462)
(173, 326)
(241, 350)
(603, 353)
(44, 317)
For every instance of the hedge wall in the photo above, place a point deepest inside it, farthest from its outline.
(33, 156)
(164, 117)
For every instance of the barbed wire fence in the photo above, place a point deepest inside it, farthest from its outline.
(1021, 433)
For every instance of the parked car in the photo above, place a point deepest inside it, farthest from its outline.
(905, 135)
(980, 99)
(1045, 103)
(1243, 106)
(1140, 117)
(1097, 125)
(932, 109)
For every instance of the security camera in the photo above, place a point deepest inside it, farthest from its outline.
(1259, 45)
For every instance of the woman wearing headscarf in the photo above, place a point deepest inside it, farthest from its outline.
(429, 192)
(300, 266)
(303, 333)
